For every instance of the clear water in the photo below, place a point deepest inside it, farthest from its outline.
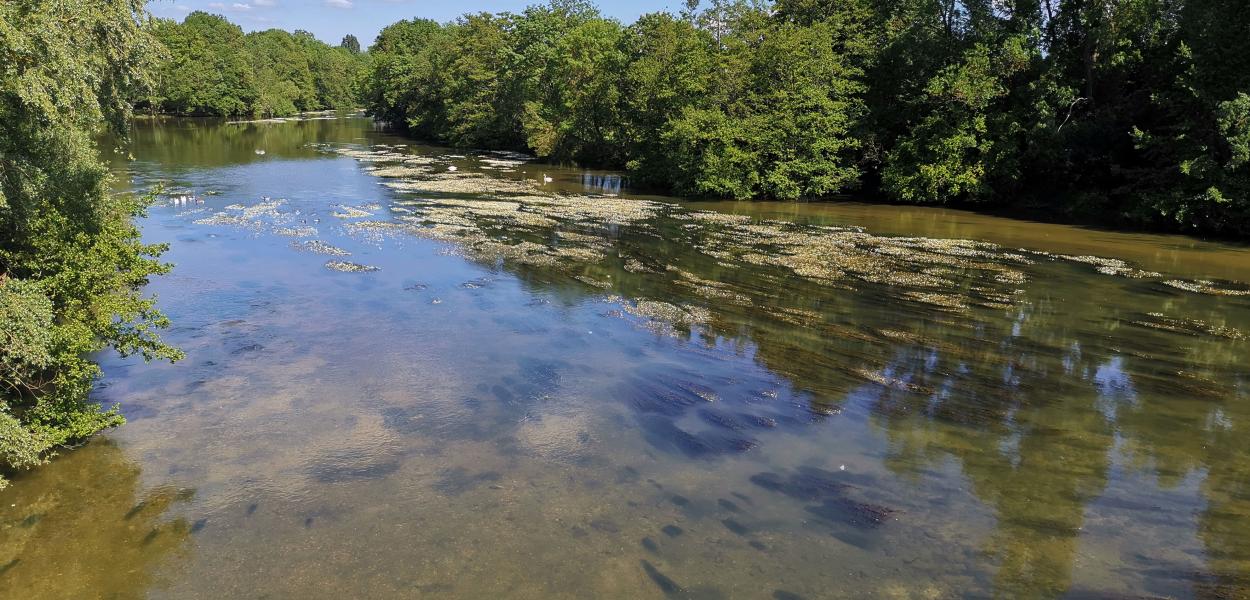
(544, 391)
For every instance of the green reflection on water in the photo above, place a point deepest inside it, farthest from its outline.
(87, 528)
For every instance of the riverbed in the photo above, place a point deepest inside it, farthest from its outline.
(413, 371)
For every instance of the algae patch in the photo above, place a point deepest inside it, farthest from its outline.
(350, 267)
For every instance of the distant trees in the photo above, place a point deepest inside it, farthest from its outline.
(1134, 112)
(350, 44)
(213, 68)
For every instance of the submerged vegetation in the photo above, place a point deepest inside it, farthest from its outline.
(71, 260)
(1132, 112)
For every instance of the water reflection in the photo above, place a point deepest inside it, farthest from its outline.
(599, 183)
(89, 528)
(592, 395)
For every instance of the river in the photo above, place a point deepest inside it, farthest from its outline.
(407, 380)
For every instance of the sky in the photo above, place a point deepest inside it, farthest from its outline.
(330, 20)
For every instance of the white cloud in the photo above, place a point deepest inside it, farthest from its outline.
(182, 8)
(265, 2)
(236, 7)
(338, 3)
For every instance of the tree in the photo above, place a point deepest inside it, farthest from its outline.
(1126, 112)
(407, 71)
(578, 119)
(671, 67)
(962, 147)
(71, 260)
(350, 44)
(212, 68)
(208, 70)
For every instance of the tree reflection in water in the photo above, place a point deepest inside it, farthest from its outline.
(85, 526)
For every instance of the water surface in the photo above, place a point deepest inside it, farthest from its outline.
(408, 381)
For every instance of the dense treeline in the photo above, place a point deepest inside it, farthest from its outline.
(212, 68)
(1135, 111)
(71, 260)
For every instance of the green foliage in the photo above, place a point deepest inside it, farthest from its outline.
(207, 70)
(1126, 112)
(783, 125)
(213, 68)
(71, 259)
(25, 336)
(957, 151)
(350, 44)
(779, 101)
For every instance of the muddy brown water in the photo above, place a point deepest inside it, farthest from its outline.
(406, 381)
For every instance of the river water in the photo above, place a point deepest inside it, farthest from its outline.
(404, 380)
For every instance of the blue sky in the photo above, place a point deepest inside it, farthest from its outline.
(330, 20)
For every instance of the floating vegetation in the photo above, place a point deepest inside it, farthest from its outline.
(350, 267)
(512, 220)
(319, 115)
(264, 215)
(888, 381)
(351, 212)
(266, 208)
(946, 301)
(222, 218)
(302, 231)
(664, 317)
(1108, 266)
(404, 170)
(1163, 322)
(707, 288)
(462, 183)
(503, 162)
(1203, 286)
(590, 281)
(377, 226)
(716, 217)
(319, 247)
(634, 265)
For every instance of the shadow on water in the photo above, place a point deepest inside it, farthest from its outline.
(87, 528)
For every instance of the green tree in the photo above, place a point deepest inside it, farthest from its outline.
(1126, 112)
(784, 123)
(350, 44)
(578, 116)
(476, 79)
(961, 148)
(71, 260)
(671, 67)
(208, 70)
(212, 68)
(405, 76)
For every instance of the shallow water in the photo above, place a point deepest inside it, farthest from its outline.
(404, 381)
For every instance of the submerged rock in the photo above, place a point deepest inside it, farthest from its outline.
(672, 530)
(851, 512)
(666, 584)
